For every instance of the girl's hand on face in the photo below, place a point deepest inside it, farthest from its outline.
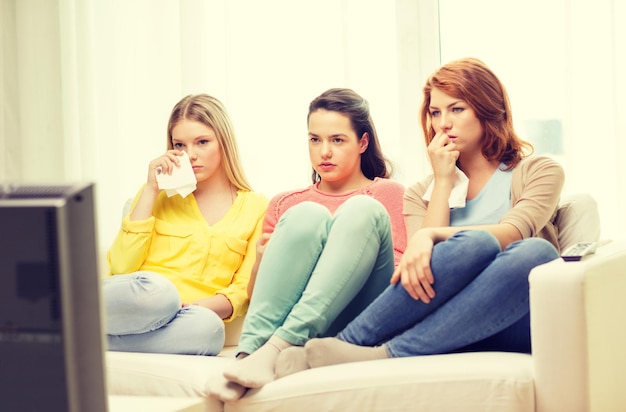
(414, 272)
(162, 164)
(443, 155)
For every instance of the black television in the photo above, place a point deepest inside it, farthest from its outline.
(51, 338)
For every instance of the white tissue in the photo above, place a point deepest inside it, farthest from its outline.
(459, 191)
(182, 181)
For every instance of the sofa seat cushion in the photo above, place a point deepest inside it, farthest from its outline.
(485, 381)
(153, 374)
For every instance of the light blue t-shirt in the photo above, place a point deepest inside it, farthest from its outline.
(488, 207)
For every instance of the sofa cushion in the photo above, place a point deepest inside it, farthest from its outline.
(481, 381)
(577, 220)
(154, 374)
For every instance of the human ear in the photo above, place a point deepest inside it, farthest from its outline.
(364, 142)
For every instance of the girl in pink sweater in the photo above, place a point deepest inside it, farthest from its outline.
(328, 250)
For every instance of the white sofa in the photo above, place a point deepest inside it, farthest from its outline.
(578, 361)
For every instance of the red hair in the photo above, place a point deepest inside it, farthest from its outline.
(470, 80)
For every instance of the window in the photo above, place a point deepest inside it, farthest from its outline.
(560, 62)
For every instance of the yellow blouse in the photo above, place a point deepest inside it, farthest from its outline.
(201, 260)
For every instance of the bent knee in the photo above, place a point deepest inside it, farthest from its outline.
(482, 238)
(138, 302)
(361, 202)
(142, 287)
(153, 287)
(303, 221)
(361, 210)
(307, 210)
(539, 248)
(209, 333)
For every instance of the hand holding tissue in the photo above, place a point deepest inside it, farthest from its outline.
(459, 191)
(182, 181)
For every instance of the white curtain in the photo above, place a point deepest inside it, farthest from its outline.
(87, 85)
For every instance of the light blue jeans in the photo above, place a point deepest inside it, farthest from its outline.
(143, 313)
(481, 302)
(319, 271)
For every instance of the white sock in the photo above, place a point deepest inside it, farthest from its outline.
(332, 351)
(257, 369)
(225, 390)
(290, 361)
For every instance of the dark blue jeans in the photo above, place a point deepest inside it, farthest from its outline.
(481, 302)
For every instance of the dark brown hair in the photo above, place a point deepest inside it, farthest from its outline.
(356, 108)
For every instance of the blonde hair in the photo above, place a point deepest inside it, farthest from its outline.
(211, 112)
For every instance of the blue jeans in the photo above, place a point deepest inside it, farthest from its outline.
(481, 302)
(319, 271)
(143, 313)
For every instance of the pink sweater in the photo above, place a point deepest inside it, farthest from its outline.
(386, 191)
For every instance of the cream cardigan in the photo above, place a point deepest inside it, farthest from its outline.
(535, 192)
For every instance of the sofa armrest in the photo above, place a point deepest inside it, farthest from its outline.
(578, 332)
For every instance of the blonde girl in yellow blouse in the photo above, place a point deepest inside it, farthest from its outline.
(180, 266)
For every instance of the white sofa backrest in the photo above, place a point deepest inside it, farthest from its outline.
(577, 220)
